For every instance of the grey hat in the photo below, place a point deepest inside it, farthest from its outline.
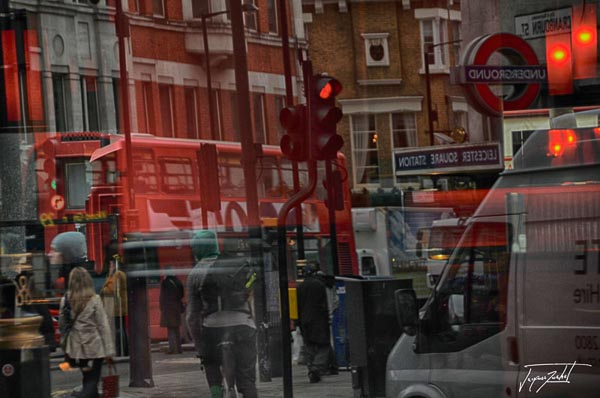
(72, 247)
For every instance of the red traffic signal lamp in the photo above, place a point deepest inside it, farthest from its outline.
(294, 144)
(325, 142)
(584, 38)
(559, 59)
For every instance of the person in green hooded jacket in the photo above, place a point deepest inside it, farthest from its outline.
(219, 317)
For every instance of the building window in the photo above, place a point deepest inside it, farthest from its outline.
(235, 120)
(250, 18)
(217, 115)
(78, 184)
(200, 7)
(364, 148)
(158, 8)
(259, 117)
(89, 102)
(376, 49)
(62, 103)
(404, 130)
(148, 106)
(116, 91)
(433, 33)
(456, 38)
(279, 105)
(272, 16)
(191, 112)
(166, 109)
(461, 119)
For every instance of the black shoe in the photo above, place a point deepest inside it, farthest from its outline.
(314, 377)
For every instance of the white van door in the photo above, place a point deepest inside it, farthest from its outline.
(559, 291)
(468, 316)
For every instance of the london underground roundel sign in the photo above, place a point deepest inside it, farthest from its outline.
(524, 74)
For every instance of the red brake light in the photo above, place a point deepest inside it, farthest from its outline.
(558, 140)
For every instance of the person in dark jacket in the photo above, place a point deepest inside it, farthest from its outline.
(171, 307)
(220, 318)
(313, 317)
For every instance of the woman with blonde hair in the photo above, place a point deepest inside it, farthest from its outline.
(88, 335)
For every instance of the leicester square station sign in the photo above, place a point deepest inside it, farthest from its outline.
(478, 77)
(450, 158)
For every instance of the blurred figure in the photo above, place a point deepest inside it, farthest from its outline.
(114, 297)
(220, 311)
(68, 250)
(89, 340)
(171, 308)
(313, 317)
(206, 250)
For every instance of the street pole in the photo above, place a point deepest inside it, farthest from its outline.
(140, 363)
(249, 168)
(289, 100)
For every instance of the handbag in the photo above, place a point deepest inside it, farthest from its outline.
(110, 383)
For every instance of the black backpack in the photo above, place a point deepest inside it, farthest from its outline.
(227, 285)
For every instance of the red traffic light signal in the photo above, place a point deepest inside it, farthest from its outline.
(294, 143)
(584, 38)
(559, 62)
(325, 142)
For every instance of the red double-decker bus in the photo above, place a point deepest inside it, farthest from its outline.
(170, 186)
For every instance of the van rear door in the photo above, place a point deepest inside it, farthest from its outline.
(559, 292)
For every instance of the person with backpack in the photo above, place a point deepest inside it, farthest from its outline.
(219, 315)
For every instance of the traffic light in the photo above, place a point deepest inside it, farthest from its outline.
(559, 61)
(325, 142)
(294, 143)
(584, 38)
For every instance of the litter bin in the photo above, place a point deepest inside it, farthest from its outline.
(372, 330)
(23, 358)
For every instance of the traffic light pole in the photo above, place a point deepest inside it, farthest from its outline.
(331, 209)
(286, 342)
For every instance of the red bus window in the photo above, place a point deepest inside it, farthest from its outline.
(145, 171)
(176, 175)
(231, 176)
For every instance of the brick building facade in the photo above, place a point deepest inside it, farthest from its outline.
(376, 49)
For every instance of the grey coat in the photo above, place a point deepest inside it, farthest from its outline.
(91, 335)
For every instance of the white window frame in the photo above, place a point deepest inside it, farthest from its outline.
(194, 107)
(412, 139)
(438, 17)
(374, 39)
(261, 136)
(355, 151)
(171, 113)
(276, 16)
(85, 105)
(148, 103)
(154, 11)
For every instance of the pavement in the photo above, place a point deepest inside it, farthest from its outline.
(181, 376)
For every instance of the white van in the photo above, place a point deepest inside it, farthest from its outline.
(516, 312)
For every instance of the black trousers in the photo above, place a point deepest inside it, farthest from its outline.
(91, 377)
(234, 349)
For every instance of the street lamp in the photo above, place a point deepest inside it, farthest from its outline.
(246, 7)
(427, 49)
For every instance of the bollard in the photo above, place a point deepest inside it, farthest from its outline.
(24, 357)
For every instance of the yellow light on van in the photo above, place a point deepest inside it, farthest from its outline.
(440, 257)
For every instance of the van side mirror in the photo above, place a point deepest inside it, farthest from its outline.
(407, 312)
